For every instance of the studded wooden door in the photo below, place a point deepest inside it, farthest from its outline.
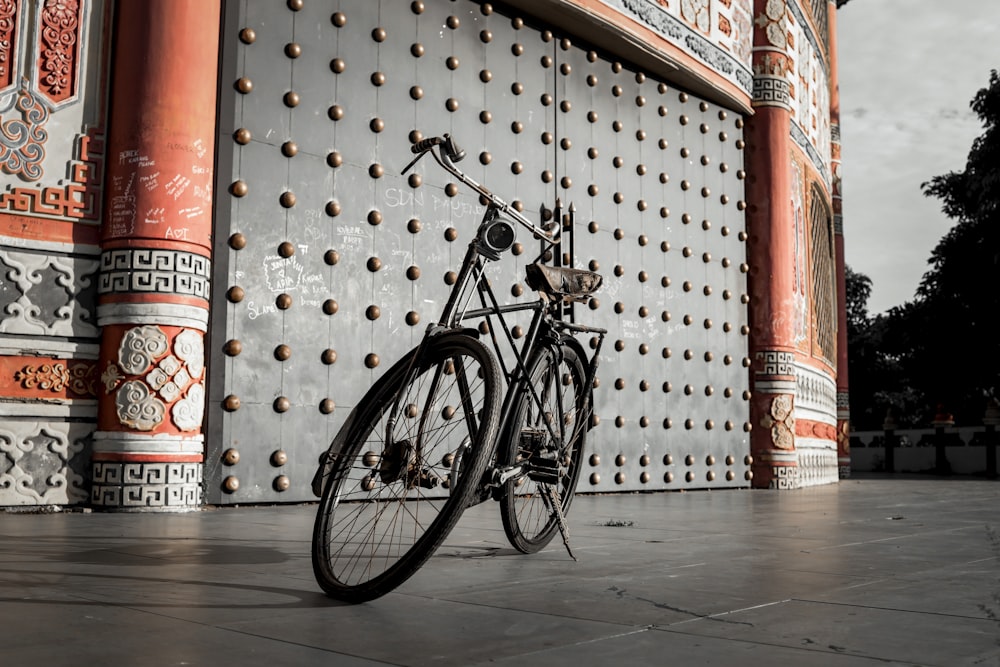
(329, 264)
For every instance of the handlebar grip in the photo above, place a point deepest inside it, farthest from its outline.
(425, 144)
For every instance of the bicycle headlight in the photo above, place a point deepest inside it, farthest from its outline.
(498, 235)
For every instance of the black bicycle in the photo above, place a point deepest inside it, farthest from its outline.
(452, 424)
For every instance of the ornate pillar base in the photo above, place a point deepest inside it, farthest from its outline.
(146, 474)
(777, 469)
(772, 411)
(149, 451)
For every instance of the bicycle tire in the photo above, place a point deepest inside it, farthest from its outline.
(382, 514)
(528, 521)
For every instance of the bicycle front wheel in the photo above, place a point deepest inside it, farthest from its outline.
(408, 468)
(547, 430)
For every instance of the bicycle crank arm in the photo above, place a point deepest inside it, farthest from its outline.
(503, 475)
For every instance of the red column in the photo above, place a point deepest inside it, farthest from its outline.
(156, 256)
(843, 394)
(771, 253)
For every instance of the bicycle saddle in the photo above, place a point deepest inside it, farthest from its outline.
(562, 281)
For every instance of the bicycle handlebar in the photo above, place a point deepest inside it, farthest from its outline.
(447, 154)
(425, 145)
(447, 144)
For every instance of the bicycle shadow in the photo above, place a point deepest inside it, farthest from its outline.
(222, 587)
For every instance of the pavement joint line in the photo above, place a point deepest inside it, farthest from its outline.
(890, 538)
(636, 631)
(717, 616)
(895, 609)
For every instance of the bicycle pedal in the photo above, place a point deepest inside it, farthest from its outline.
(543, 470)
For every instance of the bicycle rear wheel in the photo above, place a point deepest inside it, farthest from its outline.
(558, 376)
(408, 468)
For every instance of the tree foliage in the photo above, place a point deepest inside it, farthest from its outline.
(858, 291)
(875, 362)
(942, 348)
(959, 296)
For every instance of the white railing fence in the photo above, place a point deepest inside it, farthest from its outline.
(962, 450)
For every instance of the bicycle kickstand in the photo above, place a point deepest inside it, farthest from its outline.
(552, 495)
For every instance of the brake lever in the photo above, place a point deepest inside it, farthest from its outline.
(412, 162)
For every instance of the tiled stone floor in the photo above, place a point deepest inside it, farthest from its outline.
(871, 571)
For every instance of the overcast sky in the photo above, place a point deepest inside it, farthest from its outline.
(908, 70)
